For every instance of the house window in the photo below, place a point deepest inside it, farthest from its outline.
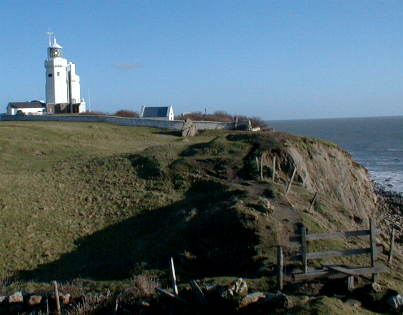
(58, 73)
(49, 75)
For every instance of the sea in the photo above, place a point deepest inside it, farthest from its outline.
(375, 142)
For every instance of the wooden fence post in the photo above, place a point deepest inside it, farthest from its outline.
(57, 297)
(261, 167)
(350, 283)
(391, 245)
(291, 180)
(198, 292)
(257, 165)
(176, 297)
(280, 268)
(273, 174)
(372, 239)
(304, 248)
(173, 275)
(312, 202)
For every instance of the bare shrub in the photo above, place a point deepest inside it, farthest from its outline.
(193, 116)
(93, 113)
(145, 285)
(91, 304)
(126, 113)
(4, 286)
(75, 290)
(142, 286)
(222, 116)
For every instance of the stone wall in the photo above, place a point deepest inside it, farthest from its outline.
(140, 122)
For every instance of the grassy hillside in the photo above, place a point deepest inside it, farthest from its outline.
(108, 202)
(63, 181)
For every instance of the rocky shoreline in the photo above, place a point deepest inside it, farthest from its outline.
(390, 205)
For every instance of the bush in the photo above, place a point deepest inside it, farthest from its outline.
(223, 117)
(126, 113)
(147, 167)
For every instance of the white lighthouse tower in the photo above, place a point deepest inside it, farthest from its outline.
(62, 82)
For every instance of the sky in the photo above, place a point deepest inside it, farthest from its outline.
(282, 59)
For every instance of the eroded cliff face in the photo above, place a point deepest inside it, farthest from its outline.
(326, 169)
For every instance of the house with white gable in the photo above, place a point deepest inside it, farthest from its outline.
(26, 108)
(162, 112)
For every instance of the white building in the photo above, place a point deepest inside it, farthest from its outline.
(62, 82)
(26, 108)
(164, 112)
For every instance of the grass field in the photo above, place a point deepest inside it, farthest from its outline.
(104, 202)
(63, 181)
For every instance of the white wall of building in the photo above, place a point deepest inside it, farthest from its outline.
(83, 107)
(171, 115)
(26, 111)
(56, 81)
(74, 83)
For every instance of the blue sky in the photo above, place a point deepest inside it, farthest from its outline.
(282, 59)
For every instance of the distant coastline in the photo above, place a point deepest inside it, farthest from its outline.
(334, 118)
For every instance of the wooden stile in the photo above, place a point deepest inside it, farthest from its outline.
(335, 270)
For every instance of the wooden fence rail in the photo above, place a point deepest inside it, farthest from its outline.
(327, 269)
(325, 236)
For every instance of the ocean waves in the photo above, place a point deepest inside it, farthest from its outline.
(375, 142)
(389, 180)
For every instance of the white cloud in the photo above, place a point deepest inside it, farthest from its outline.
(128, 65)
